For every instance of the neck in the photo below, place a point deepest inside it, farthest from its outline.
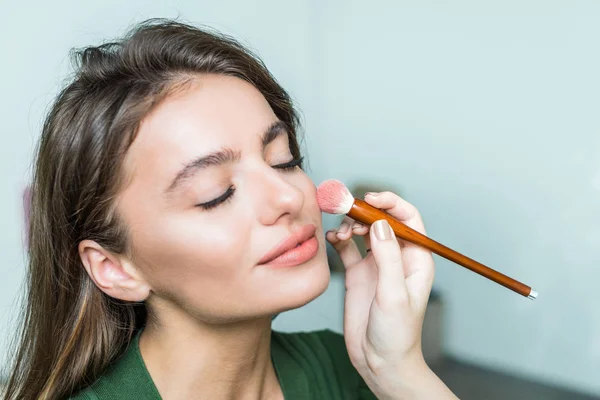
(192, 359)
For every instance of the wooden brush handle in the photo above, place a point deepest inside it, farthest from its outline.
(363, 212)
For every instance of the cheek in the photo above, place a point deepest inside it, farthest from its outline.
(310, 196)
(180, 251)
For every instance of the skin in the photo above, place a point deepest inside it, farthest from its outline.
(198, 269)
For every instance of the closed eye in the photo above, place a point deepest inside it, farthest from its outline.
(289, 166)
(219, 200)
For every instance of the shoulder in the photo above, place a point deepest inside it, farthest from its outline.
(324, 353)
(321, 344)
(310, 337)
(125, 379)
(86, 394)
(327, 341)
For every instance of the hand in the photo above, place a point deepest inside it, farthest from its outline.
(386, 297)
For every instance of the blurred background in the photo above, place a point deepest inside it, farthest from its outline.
(485, 115)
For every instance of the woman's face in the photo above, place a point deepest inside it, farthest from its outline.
(209, 202)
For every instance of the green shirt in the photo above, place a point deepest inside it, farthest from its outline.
(309, 365)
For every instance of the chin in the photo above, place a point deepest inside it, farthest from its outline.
(310, 281)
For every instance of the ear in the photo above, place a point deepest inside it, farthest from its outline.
(114, 275)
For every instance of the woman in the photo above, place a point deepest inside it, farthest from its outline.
(167, 203)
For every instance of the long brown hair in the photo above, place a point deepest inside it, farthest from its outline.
(71, 331)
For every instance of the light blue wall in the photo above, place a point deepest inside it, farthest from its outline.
(483, 114)
(486, 115)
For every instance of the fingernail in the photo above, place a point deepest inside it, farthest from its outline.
(382, 230)
(343, 228)
(372, 194)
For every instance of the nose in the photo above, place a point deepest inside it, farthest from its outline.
(278, 198)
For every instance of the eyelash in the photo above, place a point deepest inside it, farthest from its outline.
(289, 166)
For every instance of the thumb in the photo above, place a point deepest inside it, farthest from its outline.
(391, 282)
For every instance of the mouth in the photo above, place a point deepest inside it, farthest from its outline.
(301, 246)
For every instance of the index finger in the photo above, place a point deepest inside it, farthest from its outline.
(418, 260)
(398, 208)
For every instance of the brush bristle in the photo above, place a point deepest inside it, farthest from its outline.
(334, 197)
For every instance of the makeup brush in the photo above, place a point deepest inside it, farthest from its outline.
(334, 197)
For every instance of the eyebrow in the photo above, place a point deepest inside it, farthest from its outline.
(223, 156)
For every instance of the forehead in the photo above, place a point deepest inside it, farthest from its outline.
(212, 107)
(214, 111)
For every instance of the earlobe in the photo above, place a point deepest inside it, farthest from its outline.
(111, 274)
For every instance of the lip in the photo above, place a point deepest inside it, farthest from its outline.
(289, 253)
